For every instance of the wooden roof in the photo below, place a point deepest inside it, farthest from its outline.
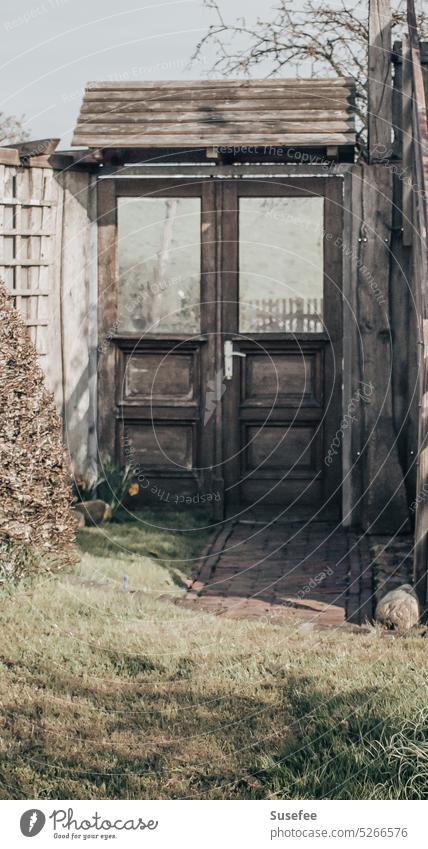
(306, 113)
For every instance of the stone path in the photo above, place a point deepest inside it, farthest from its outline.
(314, 573)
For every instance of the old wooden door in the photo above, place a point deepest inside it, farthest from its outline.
(220, 341)
(157, 275)
(281, 325)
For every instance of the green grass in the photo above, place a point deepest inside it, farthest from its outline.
(106, 694)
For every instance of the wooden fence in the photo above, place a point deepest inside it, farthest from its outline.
(282, 315)
(29, 221)
(47, 262)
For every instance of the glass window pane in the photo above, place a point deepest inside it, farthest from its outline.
(159, 246)
(281, 264)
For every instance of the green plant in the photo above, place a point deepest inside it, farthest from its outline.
(111, 486)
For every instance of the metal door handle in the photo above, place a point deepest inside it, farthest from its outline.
(229, 354)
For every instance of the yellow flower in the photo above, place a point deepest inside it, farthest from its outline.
(134, 489)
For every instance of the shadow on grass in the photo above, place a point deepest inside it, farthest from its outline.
(351, 746)
(163, 737)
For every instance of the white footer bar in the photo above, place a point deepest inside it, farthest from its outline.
(222, 824)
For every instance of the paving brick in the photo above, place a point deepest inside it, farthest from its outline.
(317, 574)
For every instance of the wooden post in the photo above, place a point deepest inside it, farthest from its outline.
(407, 154)
(420, 244)
(379, 81)
(384, 501)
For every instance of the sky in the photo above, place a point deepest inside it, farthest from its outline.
(51, 48)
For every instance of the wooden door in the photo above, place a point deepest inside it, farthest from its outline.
(281, 329)
(157, 341)
(192, 270)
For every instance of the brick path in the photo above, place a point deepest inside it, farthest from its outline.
(317, 574)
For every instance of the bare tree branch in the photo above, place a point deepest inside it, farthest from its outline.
(12, 129)
(309, 39)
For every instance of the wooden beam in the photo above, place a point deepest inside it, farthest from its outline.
(379, 80)
(352, 488)
(383, 497)
(38, 147)
(9, 156)
(283, 171)
(107, 313)
(420, 157)
(407, 155)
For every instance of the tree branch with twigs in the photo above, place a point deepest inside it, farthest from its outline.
(311, 39)
(12, 129)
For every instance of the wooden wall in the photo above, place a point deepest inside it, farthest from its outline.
(47, 251)
(380, 355)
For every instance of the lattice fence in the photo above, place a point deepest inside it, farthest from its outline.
(28, 226)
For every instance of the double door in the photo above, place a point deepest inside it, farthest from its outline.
(227, 342)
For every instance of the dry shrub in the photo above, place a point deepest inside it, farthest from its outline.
(37, 525)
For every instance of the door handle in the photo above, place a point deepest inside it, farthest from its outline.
(229, 354)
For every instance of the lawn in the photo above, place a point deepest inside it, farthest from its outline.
(114, 694)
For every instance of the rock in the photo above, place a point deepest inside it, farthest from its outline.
(399, 609)
(80, 519)
(94, 512)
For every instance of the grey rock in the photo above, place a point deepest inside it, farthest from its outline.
(398, 609)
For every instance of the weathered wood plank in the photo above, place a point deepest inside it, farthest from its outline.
(25, 263)
(403, 320)
(9, 156)
(75, 270)
(36, 147)
(407, 152)
(159, 110)
(420, 157)
(55, 347)
(193, 122)
(176, 125)
(379, 80)
(208, 85)
(17, 201)
(221, 139)
(338, 99)
(384, 497)
(351, 447)
(107, 314)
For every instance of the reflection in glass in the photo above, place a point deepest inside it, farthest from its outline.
(281, 264)
(159, 264)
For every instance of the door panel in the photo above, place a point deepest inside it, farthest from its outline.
(167, 446)
(281, 447)
(290, 378)
(169, 380)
